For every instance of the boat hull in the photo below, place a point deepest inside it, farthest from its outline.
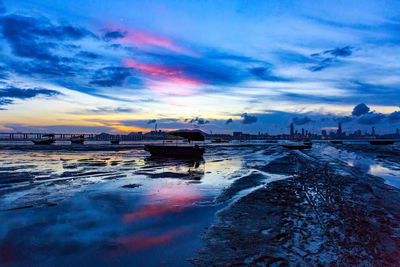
(114, 142)
(175, 151)
(77, 142)
(336, 142)
(43, 142)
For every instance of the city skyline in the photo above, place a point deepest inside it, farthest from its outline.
(122, 67)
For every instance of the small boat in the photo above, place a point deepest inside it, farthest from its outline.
(77, 140)
(184, 151)
(307, 143)
(336, 142)
(48, 140)
(271, 141)
(43, 142)
(114, 142)
(297, 146)
(381, 142)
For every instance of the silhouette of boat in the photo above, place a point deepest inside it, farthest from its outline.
(307, 143)
(184, 151)
(114, 142)
(290, 146)
(77, 140)
(271, 141)
(49, 139)
(381, 142)
(336, 142)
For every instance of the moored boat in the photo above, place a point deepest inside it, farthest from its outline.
(77, 140)
(184, 151)
(48, 140)
(336, 142)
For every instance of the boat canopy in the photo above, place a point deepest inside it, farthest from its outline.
(189, 135)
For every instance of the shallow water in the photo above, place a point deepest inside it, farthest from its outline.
(102, 207)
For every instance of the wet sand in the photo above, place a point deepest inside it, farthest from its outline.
(325, 213)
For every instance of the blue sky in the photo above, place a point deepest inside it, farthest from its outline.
(121, 66)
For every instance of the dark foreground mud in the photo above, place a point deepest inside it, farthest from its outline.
(317, 216)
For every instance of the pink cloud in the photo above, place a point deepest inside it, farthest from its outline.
(151, 69)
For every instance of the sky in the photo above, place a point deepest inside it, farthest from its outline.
(254, 66)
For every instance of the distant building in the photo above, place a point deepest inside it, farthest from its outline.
(291, 130)
(339, 130)
(373, 130)
(323, 133)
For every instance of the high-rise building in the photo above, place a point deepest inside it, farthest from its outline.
(291, 129)
(339, 130)
(323, 133)
(302, 131)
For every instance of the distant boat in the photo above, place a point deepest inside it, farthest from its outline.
(114, 142)
(336, 142)
(381, 142)
(271, 141)
(307, 143)
(48, 140)
(77, 140)
(297, 146)
(184, 151)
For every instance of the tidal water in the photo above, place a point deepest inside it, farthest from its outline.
(100, 205)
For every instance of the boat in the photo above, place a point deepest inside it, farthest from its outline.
(77, 140)
(289, 146)
(307, 143)
(336, 142)
(381, 142)
(114, 142)
(48, 140)
(271, 141)
(184, 151)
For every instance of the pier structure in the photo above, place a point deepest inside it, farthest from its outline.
(35, 136)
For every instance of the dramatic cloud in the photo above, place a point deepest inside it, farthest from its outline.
(360, 109)
(301, 121)
(371, 118)
(344, 119)
(395, 116)
(151, 121)
(340, 52)
(228, 121)
(329, 57)
(8, 94)
(32, 38)
(110, 76)
(248, 119)
(112, 35)
(198, 120)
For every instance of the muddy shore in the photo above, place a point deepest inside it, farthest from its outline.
(320, 215)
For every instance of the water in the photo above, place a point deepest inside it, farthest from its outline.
(101, 205)
(64, 205)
